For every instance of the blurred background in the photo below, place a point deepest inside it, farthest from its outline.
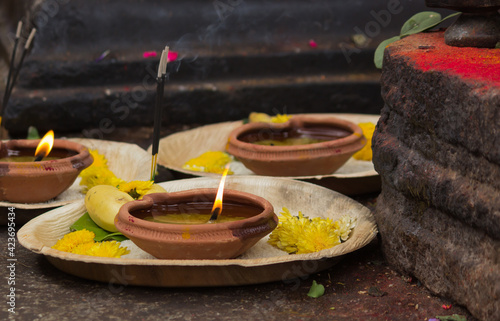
(92, 66)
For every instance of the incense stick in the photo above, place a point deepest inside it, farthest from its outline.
(8, 91)
(11, 65)
(160, 86)
(23, 55)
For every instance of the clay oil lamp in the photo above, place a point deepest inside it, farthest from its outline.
(190, 225)
(34, 171)
(303, 146)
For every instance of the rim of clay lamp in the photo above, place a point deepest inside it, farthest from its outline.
(36, 182)
(161, 239)
(78, 159)
(255, 156)
(200, 195)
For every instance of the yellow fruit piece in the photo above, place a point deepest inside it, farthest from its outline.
(259, 117)
(154, 189)
(103, 203)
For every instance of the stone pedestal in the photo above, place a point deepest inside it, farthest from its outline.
(437, 149)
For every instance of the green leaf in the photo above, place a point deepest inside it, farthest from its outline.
(420, 22)
(417, 23)
(85, 222)
(117, 236)
(33, 133)
(454, 317)
(316, 290)
(423, 21)
(378, 58)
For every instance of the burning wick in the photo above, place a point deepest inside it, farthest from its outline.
(45, 146)
(217, 208)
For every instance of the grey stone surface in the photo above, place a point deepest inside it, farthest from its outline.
(451, 258)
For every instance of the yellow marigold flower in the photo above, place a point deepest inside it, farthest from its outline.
(99, 160)
(73, 239)
(82, 242)
(280, 118)
(135, 189)
(98, 173)
(211, 161)
(82, 249)
(107, 249)
(317, 236)
(345, 225)
(366, 152)
(289, 229)
(265, 118)
(300, 234)
(94, 176)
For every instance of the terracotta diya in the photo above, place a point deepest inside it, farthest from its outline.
(190, 232)
(303, 146)
(26, 177)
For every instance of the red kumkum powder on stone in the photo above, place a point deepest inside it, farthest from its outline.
(478, 64)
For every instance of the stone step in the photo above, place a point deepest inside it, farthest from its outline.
(127, 67)
(414, 134)
(443, 187)
(82, 108)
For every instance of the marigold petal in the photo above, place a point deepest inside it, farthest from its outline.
(300, 234)
(366, 152)
(71, 240)
(211, 161)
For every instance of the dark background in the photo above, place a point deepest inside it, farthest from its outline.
(234, 57)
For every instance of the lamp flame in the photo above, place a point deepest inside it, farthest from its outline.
(217, 208)
(45, 146)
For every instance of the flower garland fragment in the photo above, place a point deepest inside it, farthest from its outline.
(99, 174)
(210, 162)
(265, 118)
(300, 234)
(365, 153)
(82, 242)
